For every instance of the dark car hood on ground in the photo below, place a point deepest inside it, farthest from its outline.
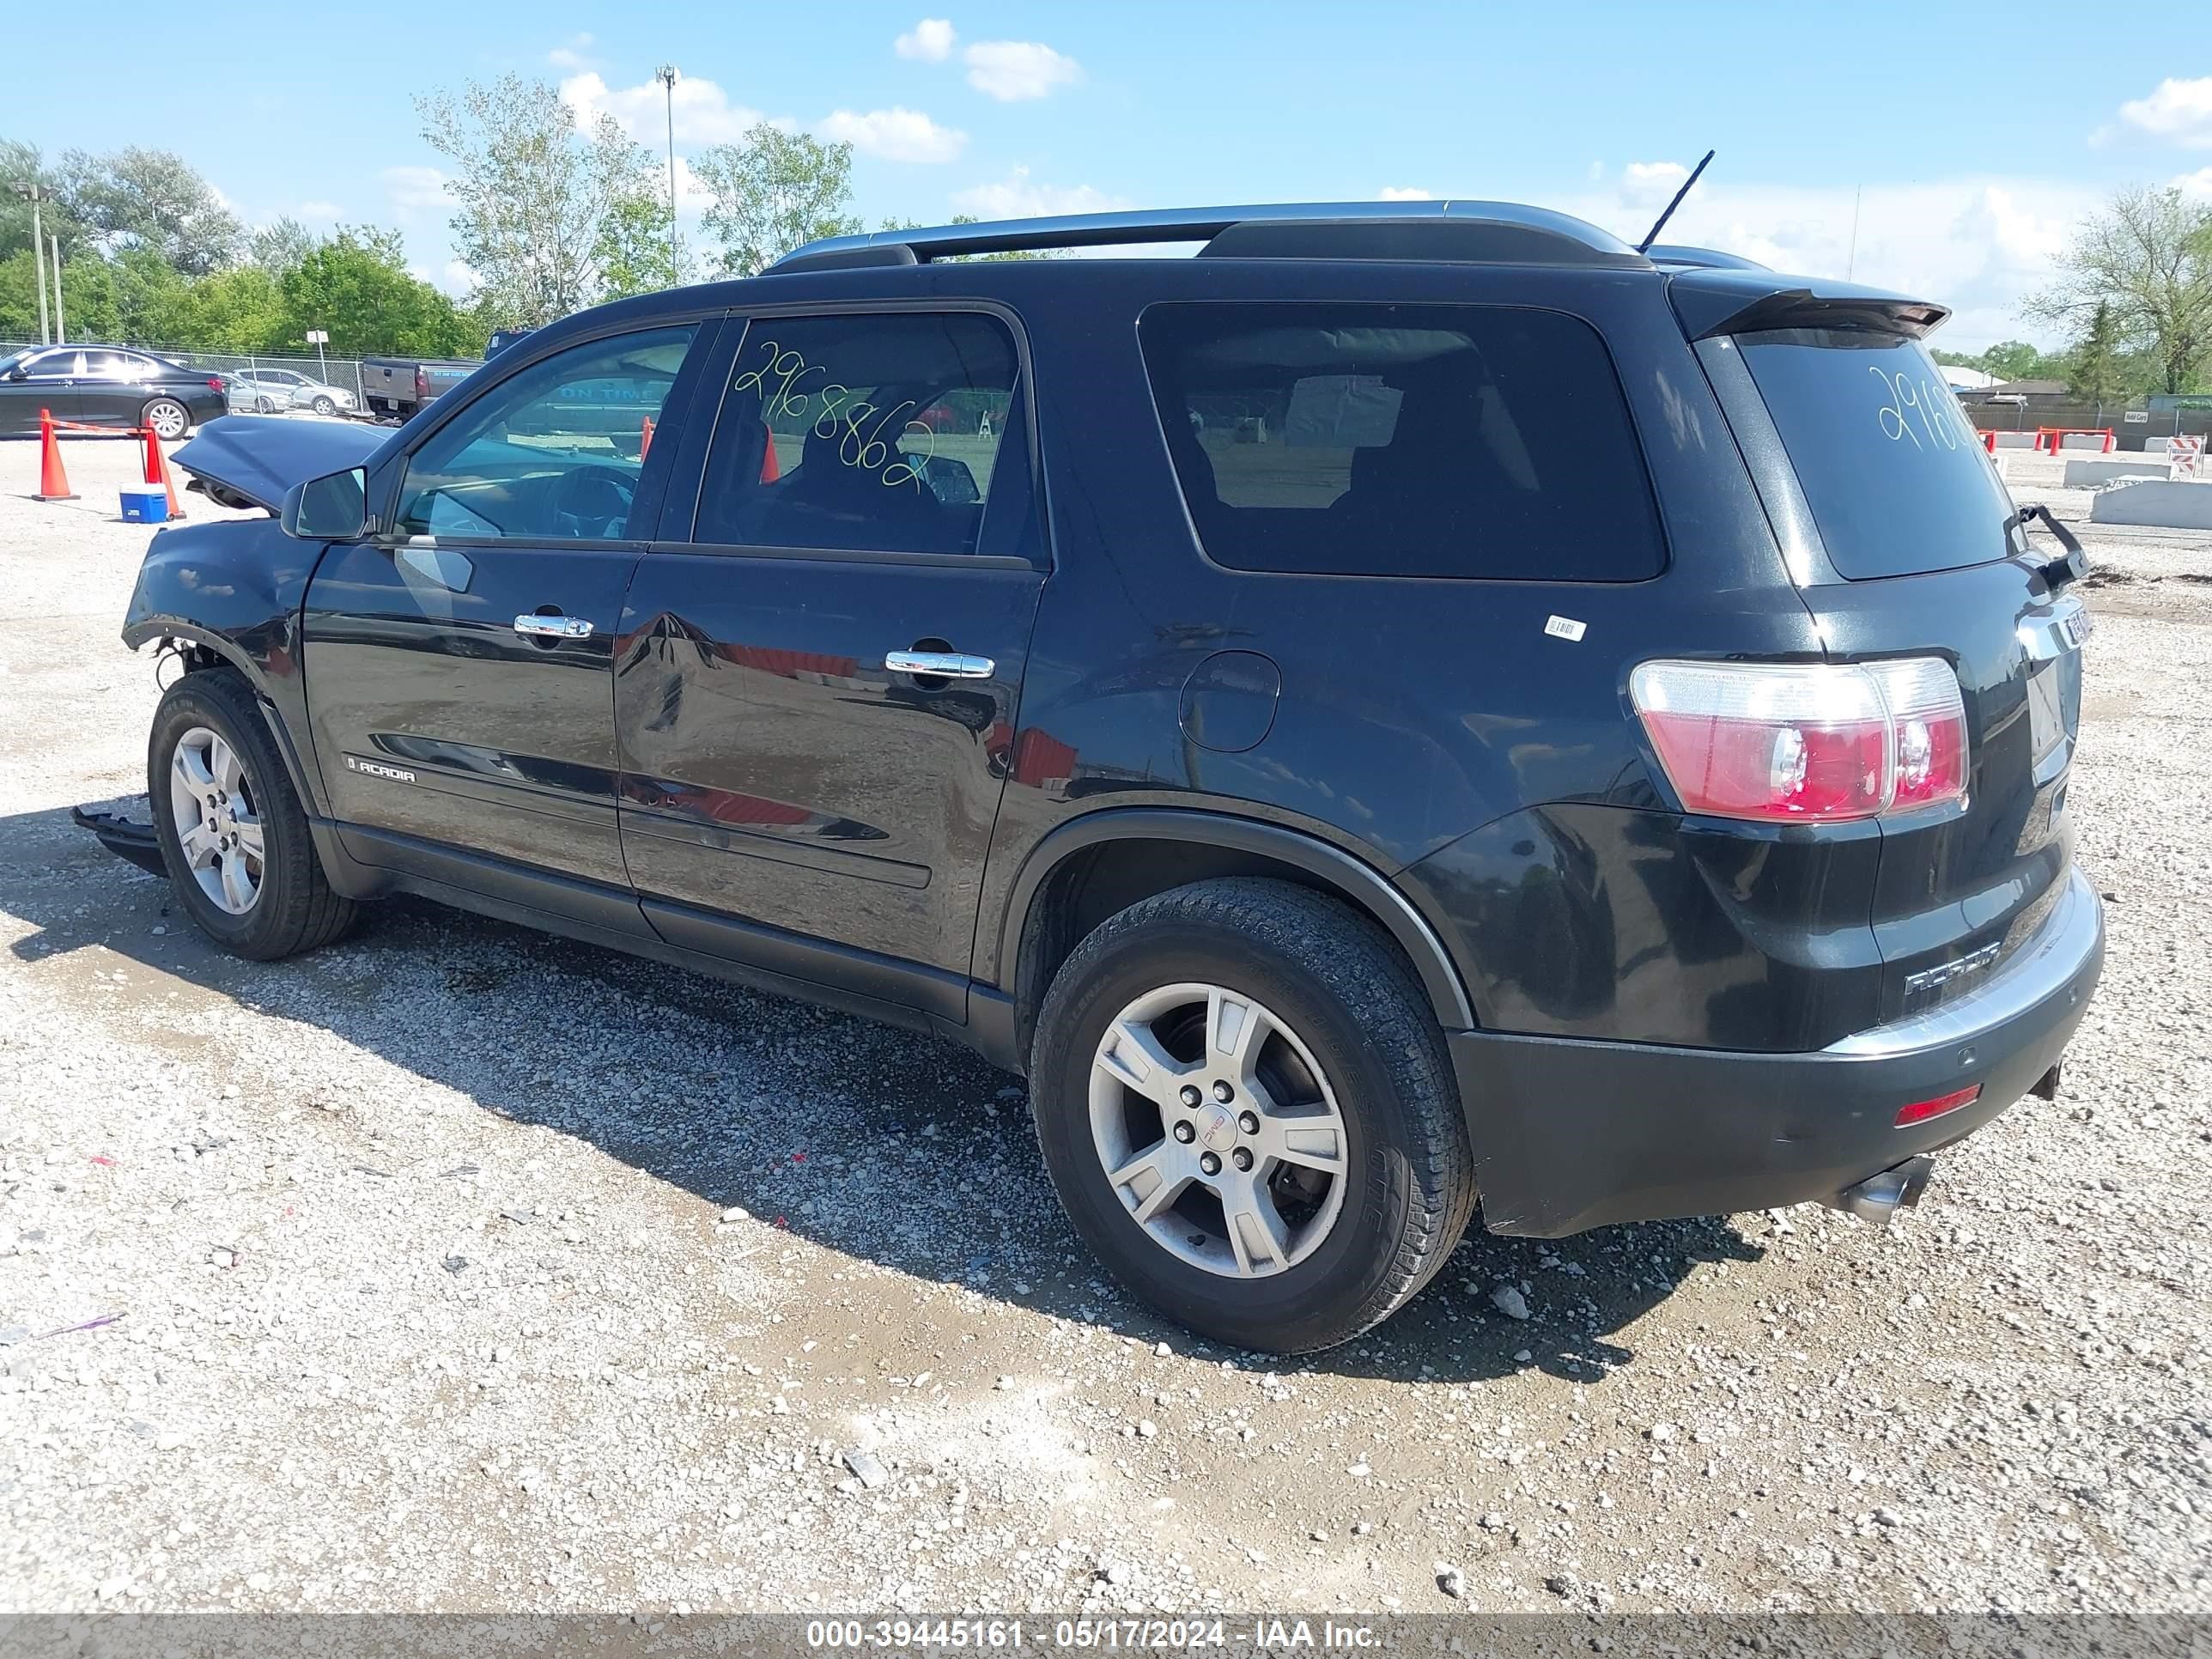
(256, 458)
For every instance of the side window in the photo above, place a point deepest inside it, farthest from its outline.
(55, 365)
(1403, 440)
(891, 433)
(553, 454)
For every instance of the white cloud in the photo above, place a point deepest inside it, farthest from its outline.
(929, 40)
(415, 187)
(457, 279)
(2198, 184)
(575, 55)
(1011, 70)
(2180, 112)
(1406, 193)
(703, 111)
(1977, 244)
(318, 210)
(897, 134)
(1019, 197)
(1650, 183)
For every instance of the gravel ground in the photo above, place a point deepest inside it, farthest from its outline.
(457, 1268)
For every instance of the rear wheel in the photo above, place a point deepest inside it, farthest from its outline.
(232, 832)
(170, 419)
(1244, 1101)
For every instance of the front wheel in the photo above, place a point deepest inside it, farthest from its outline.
(232, 832)
(1243, 1100)
(324, 405)
(170, 419)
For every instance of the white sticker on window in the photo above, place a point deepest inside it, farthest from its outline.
(1342, 411)
(1565, 628)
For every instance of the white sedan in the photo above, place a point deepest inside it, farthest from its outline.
(265, 391)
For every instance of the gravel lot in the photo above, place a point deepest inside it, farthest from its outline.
(457, 1268)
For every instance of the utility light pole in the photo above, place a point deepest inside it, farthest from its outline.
(31, 192)
(61, 328)
(666, 75)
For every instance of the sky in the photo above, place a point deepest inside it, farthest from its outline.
(1967, 140)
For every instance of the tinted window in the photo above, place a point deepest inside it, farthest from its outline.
(889, 433)
(1402, 441)
(54, 366)
(1895, 474)
(552, 454)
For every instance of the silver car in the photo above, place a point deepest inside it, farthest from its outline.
(266, 391)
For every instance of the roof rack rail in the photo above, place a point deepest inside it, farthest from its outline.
(1570, 240)
(1702, 259)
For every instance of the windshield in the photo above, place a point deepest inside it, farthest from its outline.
(1896, 475)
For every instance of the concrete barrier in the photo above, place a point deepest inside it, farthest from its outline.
(2096, 440)
(2180, 504)
(2016, 439)
(2088, 475)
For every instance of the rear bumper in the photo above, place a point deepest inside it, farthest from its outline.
(1570, 1134)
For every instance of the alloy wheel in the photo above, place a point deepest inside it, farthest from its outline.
(218, 830)
(168, 419)
(1217, 1130)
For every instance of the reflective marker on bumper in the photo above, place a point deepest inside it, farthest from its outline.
(1921, 1110)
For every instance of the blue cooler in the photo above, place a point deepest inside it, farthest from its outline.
(146, 505)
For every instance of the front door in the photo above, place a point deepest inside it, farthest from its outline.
(458, 666)
(816, 697)
(49, 382)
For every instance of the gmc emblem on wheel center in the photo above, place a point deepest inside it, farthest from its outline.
(378, 770)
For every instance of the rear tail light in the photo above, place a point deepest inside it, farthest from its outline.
(215, 383)
(1921, 1110)
(421, 387)
(1789, 743)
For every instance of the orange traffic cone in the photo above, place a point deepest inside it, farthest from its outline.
(645, 438)
(168, 481)
(152, 454)
(53, 482)
(771, 470)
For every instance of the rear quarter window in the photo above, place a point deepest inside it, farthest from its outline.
(1470, 442)
(1896, 476)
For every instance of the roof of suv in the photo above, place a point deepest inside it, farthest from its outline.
(1491, 232)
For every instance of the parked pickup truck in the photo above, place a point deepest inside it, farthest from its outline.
(395, 387)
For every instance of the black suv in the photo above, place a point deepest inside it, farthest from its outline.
(1419, 703)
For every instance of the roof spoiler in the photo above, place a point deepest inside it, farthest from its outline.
(1711, 301)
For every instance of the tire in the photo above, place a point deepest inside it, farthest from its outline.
(324, 405)
(1345, 1039)
(287, 906)
(170, 419)
(264, 405)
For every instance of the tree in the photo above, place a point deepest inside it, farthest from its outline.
(2093, 368)
(357, 286)
(151, 198)
(2148, 255)
(21, 164)
(241, 309)
(534, 195)
(633, 252)
(277, 248)
(2013, 360)
(773, 192)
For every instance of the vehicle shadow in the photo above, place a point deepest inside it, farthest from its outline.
(890, 1146)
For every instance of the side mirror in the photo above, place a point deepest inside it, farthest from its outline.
(19, 373)
(332, 508)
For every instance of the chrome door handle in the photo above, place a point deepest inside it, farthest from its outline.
(553, 627)
(941, 664)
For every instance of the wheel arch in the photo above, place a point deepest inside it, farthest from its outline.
(203, 652)
(1097, 865)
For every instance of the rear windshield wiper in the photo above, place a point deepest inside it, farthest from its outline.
(2071, 565)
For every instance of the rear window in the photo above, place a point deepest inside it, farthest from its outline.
(1403, 440)
(1893, 472)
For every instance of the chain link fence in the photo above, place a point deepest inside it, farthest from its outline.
(2131, 429)
(342, 372)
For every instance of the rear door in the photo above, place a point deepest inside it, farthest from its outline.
(1912, 546)
(113, 387)
(818, 692)
(460, 666)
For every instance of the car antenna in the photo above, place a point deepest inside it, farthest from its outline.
(1652, 235)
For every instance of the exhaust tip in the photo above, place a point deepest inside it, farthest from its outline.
(1879, 1197)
